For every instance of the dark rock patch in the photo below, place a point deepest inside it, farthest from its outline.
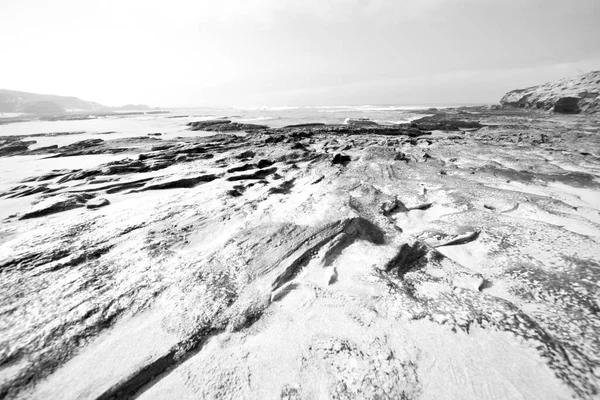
(310, 125)
(259, 174)
(340, 159)
(13, 148)
(246, 154)
(400, 156)
(360, 122)
(224, 125)
(274, 139)
(178, 182)
(283, 188)
(82, 144)
(244, 167)
(406, 258)
(445, 122)
(237, 191)
(567, 105)
(299, 146)
(43, 150)
(264, 163)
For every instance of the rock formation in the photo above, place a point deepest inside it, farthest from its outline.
(566, 96)
(454, 257)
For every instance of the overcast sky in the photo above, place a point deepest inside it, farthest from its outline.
(284, 52)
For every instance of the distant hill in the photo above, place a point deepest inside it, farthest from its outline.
(14, 101)
(579, 94)
(43, 107)
(133, 107)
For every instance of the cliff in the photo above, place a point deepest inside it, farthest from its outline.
(570, 95)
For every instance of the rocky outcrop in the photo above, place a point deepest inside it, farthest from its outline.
(55, 204)
(223, 125)
(360, 126)
(567, 96)
(13, 147)
(357, 122)
(178, 182)
(320, 261)
(340, 159)
(443, 122)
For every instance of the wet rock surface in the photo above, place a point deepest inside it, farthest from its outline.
(456, 255)
(223, 125)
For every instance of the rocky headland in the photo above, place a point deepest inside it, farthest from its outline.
(574, 95)
(457, 256)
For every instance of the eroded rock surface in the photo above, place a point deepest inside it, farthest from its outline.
(454, 257)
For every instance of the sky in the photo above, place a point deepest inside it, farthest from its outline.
(284, 52)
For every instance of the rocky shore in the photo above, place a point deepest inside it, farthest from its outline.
(456, 256)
